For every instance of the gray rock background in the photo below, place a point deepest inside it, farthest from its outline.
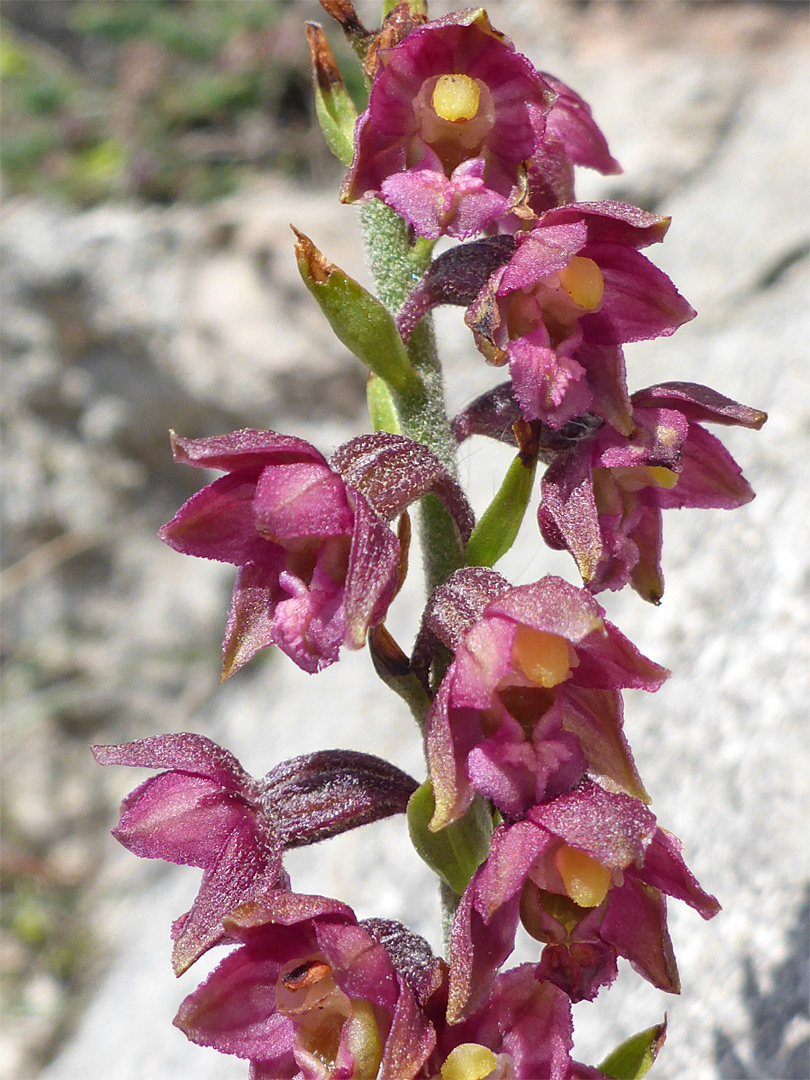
(125, 320)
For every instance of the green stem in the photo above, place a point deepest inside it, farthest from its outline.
(397, 265)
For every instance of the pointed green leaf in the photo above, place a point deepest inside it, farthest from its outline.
(381, 407)
(359, 319)
(455, 852)
(333, 104)
(496, 531)
(634, 1057)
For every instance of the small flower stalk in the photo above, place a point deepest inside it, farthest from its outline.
(531, 811)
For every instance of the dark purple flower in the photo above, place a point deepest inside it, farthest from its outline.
(585, 873)
(318, 563)
(454, 116)
(302, 540)
(603, 499)
(309, 993)
(530, 703)
(206, 811)
(576, 289)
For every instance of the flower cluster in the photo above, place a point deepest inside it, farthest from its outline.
(533, 811)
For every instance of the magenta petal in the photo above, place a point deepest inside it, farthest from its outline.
(217, 523)
(665, 869)
(567, 514)
(541, 252)
(551, 605)
(710, 478)
(301, 500)
(700, 404)
(614, 829)
(410, 1039)
(245, 449)
(612, 222)
(548, 385)
(572, 122)
(486, 920)
(636, 924)
(249, 864)
(185, 751)
(461, 206)
(371, 578)
(234, 1011)
(528, 1019)
(250, 623)
(181, 818)
(309, 625)
(580, 969)
(639, 301)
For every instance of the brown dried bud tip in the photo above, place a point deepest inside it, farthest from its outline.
(342, 11)
(324, 67)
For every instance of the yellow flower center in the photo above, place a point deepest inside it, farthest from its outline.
(470, 1061)
(545, 659)
(456, 98)
(582, 280)
(586, 881)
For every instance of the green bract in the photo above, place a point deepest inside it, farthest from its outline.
(455, 852)
(498, 528)
(359, 320)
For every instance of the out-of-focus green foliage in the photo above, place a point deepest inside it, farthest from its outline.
(160, 99)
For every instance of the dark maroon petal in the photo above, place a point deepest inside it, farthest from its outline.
(699, 403)
(234, 1011)
(255, 921)
(572, 122)
(614, 829)
(665, 869)
(580, 969)
(493, 413)
(392, 472)
(639, 301)
(185, 752)
(455, 277)
(410, 954)
(246, 449)
(315, 796)
(636, 924)
(461, 601)
(218, 523)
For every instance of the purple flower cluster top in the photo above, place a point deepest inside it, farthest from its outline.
(532, 811)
